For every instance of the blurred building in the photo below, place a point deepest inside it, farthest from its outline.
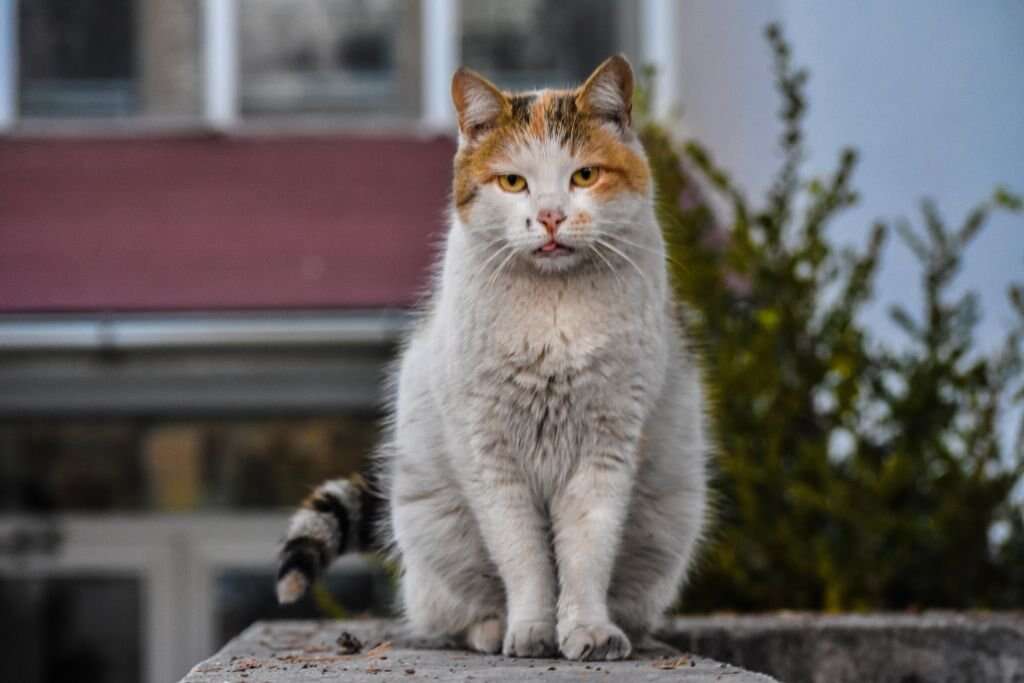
(215, 216)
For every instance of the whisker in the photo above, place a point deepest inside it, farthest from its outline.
(594, 248)
(485, 245)
(489, 229)
(480, 269)
(494, 276)
(663, 253)
(626, 258)
(619, 237)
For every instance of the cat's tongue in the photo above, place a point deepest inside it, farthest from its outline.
(550, 246)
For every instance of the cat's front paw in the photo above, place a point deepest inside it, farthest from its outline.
(530, 639)
(595, 642)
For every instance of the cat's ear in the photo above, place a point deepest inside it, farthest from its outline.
(478, 103)
(608, 93)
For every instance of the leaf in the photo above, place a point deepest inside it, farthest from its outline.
(1006, 199)
(917, 245)
(768, 319)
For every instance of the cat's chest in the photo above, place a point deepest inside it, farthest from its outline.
(549, 356)
(537, 394)
(553, 357)
(553, 334)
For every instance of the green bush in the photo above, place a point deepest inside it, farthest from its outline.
(850, 474)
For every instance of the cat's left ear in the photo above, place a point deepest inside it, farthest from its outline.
(608, 93)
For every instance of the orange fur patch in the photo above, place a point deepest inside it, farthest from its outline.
(537, 122)
(623, 169)
(581, 218)
(552, 114)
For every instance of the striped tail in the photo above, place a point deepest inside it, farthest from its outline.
(334, 520)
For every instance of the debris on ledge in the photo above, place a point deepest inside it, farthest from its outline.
(307, 651)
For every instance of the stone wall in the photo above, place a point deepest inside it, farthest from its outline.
(932, 647)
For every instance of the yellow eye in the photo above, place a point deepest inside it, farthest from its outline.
(586, 176)
(510, 182)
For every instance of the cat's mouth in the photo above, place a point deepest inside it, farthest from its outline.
(553, 248)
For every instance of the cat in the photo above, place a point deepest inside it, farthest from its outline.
(545, 464)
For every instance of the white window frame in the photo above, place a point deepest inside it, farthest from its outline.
(220, 63)
(659, 20)
(8, 63)
(440, 40)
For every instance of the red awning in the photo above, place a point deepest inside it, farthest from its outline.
(200, 223)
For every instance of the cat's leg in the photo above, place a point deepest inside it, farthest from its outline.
(667, 510)
(661, 532)
(588, 515)
(449, 585)
(434, 606)
(515, 532)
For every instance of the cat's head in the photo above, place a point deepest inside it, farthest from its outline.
(548, 176)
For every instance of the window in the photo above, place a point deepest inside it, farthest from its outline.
(70, 64)
(526, 44)
(379, 62)
(82, 629)
(118, 58)
(329, 56)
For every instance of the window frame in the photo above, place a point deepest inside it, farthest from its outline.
(8, 63)
(118, 547)
(220, 110)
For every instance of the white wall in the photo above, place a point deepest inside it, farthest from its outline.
(930, 91)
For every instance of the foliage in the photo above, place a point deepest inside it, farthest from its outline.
(851, 475)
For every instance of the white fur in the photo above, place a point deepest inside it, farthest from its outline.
(606, 96)
(546, 463)
(481, 106)
(291, 587)
(312, 524)
(481, 103)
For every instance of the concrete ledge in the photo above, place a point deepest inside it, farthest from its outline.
(931, 647)
(303, 652)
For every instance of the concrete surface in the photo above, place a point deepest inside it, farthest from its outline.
(931, 647)
(304, 651)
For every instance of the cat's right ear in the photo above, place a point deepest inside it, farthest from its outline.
(478, 103)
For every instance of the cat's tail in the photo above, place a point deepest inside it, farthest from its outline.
(335, 519)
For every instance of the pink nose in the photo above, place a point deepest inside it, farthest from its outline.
(551, 218)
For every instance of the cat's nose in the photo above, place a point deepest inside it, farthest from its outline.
(551, 219)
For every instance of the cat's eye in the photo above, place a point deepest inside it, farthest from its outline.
(510, 182)
(586, 176)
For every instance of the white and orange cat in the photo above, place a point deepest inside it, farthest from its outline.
(545, 466)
